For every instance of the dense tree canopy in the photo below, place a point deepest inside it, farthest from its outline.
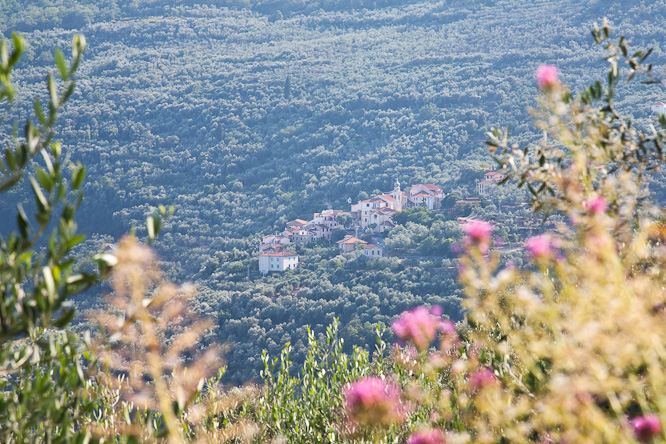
(244, 122)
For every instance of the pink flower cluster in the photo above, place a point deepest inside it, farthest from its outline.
(539, 246)
(478, 230)
(429, 436)
(597, 205)
(546, 76)
(371, 402)
(478, 234)
(646, 427)
(420, 326)
(482, 378)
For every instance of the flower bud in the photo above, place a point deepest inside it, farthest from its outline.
(547, 76)
(646, 427)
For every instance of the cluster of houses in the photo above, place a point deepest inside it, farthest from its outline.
(298, 231)
(271, 256)
(377, 212)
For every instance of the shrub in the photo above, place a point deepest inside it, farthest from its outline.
(570, 348)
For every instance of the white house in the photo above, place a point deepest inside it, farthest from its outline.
(373, 251)
(327, 217)
(278, 261)
(382, 219)
(426, 194)
(489, 179)
(422, 198)
(483, 187)
(302, 236)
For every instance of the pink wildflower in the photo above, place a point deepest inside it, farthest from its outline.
(646, 427)
(447, 327)
(419, 326)
(539, 246)
(449, 337)
(428, 436)
(482, 378)
(371, 401)
(546, 76)
(597, 205)
(478, 231)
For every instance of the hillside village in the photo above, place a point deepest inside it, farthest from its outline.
(374, 214)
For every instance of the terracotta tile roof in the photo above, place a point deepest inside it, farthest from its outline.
(373, 199)
(371, 246)
(351, 240)
(279, 254)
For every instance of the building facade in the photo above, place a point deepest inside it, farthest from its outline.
(426, 194)
(348, 244)
(372, 251)
(277, 261)
(489, 179)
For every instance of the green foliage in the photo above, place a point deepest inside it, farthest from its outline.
(46, 390)
(309, 406)
(28, 15)
(184, 103)
(44, 387)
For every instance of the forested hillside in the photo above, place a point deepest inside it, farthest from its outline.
(243, 119)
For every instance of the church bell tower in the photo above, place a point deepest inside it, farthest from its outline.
(397, 196)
